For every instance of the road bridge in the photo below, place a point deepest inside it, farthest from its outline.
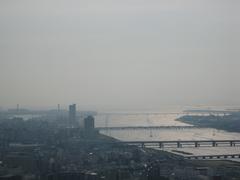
(169, 144)
(148, 127)
(210, 157)
(183, 143)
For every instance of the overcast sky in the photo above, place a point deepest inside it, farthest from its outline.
(127, 54)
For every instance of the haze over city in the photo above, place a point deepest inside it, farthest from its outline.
(126, 55)
(119, 90)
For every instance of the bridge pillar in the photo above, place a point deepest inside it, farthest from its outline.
(161, 145)
(214, 144)
(196, 144)
(143, 145)
(231, 143)
(179, 144)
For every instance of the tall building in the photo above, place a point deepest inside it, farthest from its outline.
(89, 123)
(72, 114)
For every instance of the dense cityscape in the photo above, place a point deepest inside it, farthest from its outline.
(61, 145)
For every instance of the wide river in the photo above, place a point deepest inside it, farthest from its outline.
(157, 119)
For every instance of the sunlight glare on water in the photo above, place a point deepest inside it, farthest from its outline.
(174, 133)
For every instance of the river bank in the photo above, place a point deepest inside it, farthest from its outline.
(229, 123)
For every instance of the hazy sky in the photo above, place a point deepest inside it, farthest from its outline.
(127, 54)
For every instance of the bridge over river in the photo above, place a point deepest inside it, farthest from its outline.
(209, 149)
(148, 127)
(181, 144)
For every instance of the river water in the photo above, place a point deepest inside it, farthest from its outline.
(155, 119)
(175, 132)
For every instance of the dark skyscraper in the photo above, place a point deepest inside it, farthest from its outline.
(72, 114)
(89, 123)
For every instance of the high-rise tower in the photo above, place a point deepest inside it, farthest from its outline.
(72, 114)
